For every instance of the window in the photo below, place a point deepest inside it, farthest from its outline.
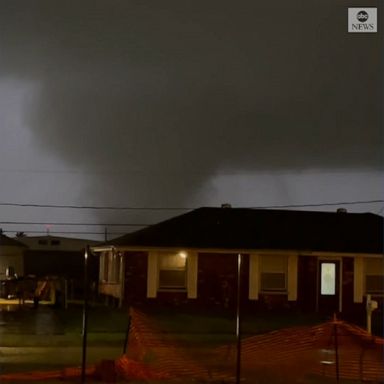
(114, 267)
(104, 264)
(374, 275)
(172, 270)
(273, 273)
(328, 278)
(110, 264)
(55, 242)
(42, 242)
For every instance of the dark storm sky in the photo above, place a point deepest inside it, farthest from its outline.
(180, 102)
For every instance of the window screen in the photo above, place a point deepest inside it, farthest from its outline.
(172, 270)
(273, 273)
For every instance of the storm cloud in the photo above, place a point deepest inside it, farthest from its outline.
(158, 96)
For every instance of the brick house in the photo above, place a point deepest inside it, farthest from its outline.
(315, 261)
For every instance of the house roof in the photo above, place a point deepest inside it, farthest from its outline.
(7, 241)
(57, 243)
(245, 228)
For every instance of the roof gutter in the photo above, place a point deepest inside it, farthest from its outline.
(102, 248)
(299, 252)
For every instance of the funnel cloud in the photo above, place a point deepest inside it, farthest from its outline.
(154, 102)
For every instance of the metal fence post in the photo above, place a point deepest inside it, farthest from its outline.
(238, 321)
(85, 316)
(127, 335)
(336, 352)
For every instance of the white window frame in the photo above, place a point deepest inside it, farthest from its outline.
(266, 259)
(153, 274)
(176, 288)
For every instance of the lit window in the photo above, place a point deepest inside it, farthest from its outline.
(273, 273)
(172, 270)
(328, 279)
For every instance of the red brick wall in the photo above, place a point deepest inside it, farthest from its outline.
(217, 278)
(135, 285)
(217, 284)
(307, 280)
(348, 307)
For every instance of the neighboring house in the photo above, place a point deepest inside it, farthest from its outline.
(11, 257)
(314, 261)
(61, 257)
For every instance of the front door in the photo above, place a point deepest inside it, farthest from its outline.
(329, 286)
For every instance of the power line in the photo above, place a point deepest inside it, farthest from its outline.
(116, 208)
(184, 208)
(79, 224)
(70, 232)
(321, 204)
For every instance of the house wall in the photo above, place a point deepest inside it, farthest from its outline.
(217, 278)
(68, 265)
(59, 263)
(11, 256)
(282, 295)
(348, 305)
(135, 277)
(212, 281)
(352, 286)
(307, 283)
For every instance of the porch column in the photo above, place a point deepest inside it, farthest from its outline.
(152, 274)
(292, 277)
(102, 266)
(358, 280)
(192, 272)
(254, 273)
(121, 278)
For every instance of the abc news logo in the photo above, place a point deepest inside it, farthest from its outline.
(362, 20)
(362, 16)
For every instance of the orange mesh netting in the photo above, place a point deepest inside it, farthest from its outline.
(296, 351)
(288, 354)
(147, 343)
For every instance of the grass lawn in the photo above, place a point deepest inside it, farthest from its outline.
(111, 323)
(213, 323)
(107, 327)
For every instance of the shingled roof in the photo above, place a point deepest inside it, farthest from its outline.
(245, 228)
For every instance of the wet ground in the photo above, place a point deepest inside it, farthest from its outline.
(26, 320)
(45, 339)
